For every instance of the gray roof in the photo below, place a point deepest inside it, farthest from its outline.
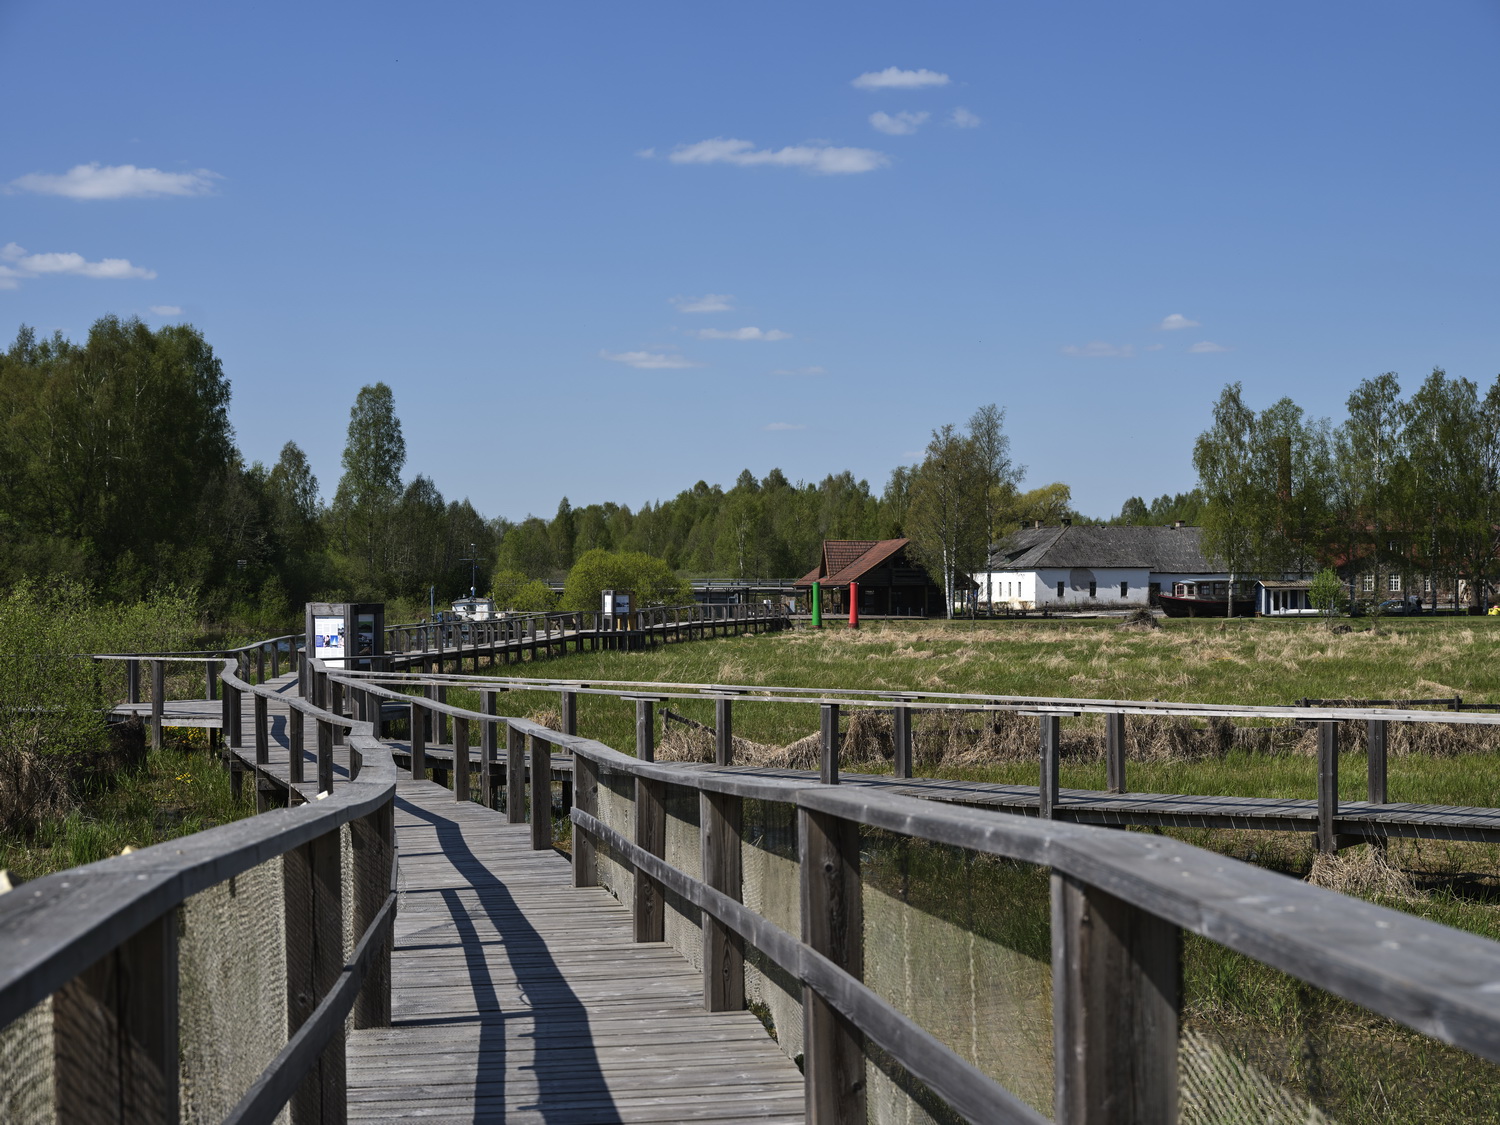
(1167, 550)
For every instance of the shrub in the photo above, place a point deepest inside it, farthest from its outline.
(649, 578)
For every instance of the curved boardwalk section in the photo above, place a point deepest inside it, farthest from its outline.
(516, 997)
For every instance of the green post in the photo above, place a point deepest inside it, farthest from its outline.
(817, 605)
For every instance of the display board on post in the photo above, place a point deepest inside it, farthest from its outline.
(348, 635)
(617, 609)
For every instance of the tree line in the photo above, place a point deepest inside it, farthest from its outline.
(1404, 489)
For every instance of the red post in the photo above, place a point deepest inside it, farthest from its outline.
(854, 605)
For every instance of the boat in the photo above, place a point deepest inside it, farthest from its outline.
(1206, 599)
(476, 609)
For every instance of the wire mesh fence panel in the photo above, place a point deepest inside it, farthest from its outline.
(962, 944)
(232, 990)
(684, 921)
(771, 875)
(347, 901)
(617, 810)
(1259, 1045)
(28, 1095)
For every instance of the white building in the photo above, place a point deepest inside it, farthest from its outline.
(1082, 567)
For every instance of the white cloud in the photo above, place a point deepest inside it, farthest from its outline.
(742, 334)
(829, 160)
(167, 310)
(800, 371)
(961, 118)
(1204, 347)
(650, 361)
(786, 426)
(902, 124)
(708, 303)
(27, 265)
(1174, 322)
(645, 153)
(117, 181)
(894, 78)
(1098, 349)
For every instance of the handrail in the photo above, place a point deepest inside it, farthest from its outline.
(1433, 979)
(55, 928)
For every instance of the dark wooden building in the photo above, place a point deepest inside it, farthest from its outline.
(891, 584)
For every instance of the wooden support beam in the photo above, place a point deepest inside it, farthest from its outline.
(828, 746)
(648, 908)
(336, 705)
(541, 794)
(114, 1033)
(489, 742)
(1377, 733)
(132, 680)
(211, 680)
(1051, 732)
(294, 721)
(460, 759)
(833, 1061)
(719, 825)
(569, 709)
(262, 747)
(325, 756)
(314, 918)
(372, 842)
(901, 740)
(1114, 751)
(1328, 785)
(418, 739)
(723, 733)
(585, 799)
(645, 731)
(158, 700)
(515, 775)
(1116, 993)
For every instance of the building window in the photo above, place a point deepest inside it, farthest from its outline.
(1124, 589)
(1394, 586)
(1059, 589)
(1369, 583)
(1093, 589)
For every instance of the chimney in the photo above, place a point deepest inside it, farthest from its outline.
(1179, 523)
(1037, 524)
(1067, 521)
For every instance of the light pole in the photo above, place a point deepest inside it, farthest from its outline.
(473, 561)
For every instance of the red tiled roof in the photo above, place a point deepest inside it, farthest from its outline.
(839, 553)
(847, 560)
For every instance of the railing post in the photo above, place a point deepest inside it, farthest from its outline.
(262, 749)
(158, 700)
(723, 733)
(833, 925)
(1377, 736)
(1048, 791)
(336, 705)
(460, 759)
(211, 680)
(645, 730)
(132, 680)
(719, 824)
(418, 742)
(1328, 785)
(585, 799)
(569, 708)
(515, 775)
(294, 720)
(648, 907)
(488, 744)
(260, 664)
(314, 918)
(1116, 993)
(901, 740)
(1114, 750)
(325, 756)
(372, 841)
(541, 794)
(275, 659)
(828, 757)
(114, 1029)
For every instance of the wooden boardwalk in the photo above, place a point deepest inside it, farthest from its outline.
(518, 998)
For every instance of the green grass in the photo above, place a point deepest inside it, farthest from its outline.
(176, 791)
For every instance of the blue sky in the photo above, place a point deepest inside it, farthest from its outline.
(553, 227)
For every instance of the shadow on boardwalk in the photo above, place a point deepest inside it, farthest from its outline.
(570, 1083)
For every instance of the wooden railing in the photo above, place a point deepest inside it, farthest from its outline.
(1120, 902)
(102, 942)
